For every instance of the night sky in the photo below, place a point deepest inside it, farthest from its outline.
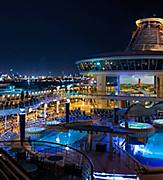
(49, 36)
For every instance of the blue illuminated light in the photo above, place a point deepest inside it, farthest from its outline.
(109, 176)
(68, 137)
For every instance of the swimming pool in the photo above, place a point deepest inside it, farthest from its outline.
(151, 153)
(52, 122)
(34, 130)
(67, 138)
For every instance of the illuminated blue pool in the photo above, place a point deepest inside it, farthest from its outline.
(52, 122)
(150, 153)
(34, 129)
(69, 137)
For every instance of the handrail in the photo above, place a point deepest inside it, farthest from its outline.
(15, 167)
(143, 169)
(10, 171)
(3, 174)
(58, 145)
(63, 145)
(140, 166)
(114, 95)
(118, 97)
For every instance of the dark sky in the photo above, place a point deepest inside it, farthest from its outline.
(49, 36)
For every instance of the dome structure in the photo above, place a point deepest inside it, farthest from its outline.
(143, 56)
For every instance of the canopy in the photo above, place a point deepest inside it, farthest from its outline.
(138, 110)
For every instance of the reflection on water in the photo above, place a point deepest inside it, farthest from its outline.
(153, 148)
(150, 153)
(68, 137)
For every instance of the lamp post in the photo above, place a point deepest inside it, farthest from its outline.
(22, 124)
(67, 106)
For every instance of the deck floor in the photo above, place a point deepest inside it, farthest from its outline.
(105, 162)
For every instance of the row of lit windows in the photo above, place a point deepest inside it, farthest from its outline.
(134, 64)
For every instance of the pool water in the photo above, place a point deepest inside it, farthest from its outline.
(67, 138)
(136, 125)
(34, 129)
(52, 122)
(159, 121)
(150, 153)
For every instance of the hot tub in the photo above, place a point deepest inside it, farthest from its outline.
(158, 123)
(139, 129)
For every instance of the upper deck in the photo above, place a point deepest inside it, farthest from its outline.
(128, 62)
(144, 54)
